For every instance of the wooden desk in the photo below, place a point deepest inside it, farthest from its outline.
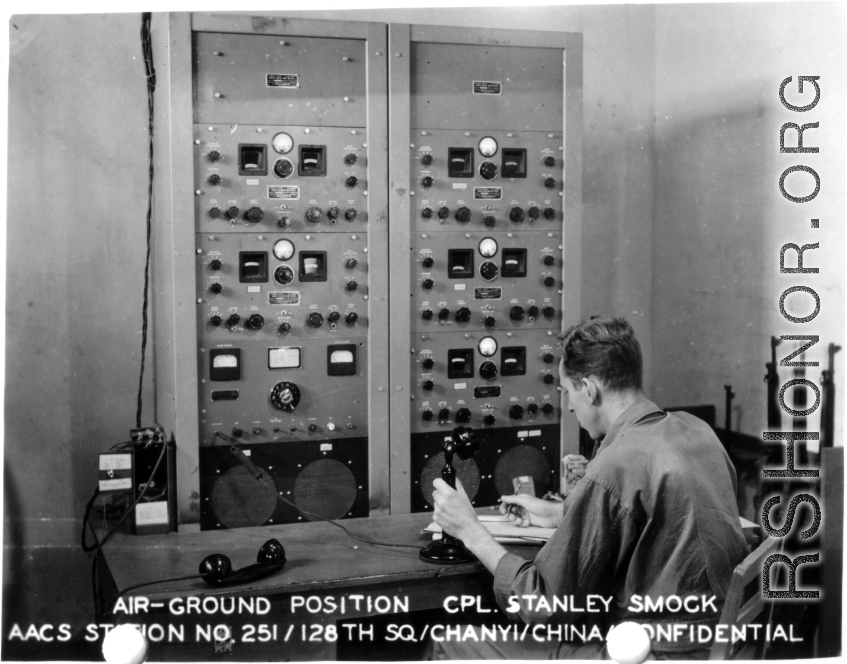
(322, 562)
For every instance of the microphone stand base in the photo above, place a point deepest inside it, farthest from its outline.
(440, 552)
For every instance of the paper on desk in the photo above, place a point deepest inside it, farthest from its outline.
(506, 531)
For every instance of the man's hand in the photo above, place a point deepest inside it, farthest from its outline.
(525, 510)
(454, 512)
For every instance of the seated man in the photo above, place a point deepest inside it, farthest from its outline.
(654, 517)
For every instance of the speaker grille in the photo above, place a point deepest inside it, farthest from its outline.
(466, 471)
(240, 500)
(325, 487)
(518, 461)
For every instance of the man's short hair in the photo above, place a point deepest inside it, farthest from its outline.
(604, 347)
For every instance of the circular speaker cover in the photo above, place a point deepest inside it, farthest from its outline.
(466, 471)
(240, 500)
(325, 488)
(518, 461)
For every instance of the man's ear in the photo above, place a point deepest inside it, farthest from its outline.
(592, 385)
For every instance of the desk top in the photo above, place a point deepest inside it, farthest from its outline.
(320, 557)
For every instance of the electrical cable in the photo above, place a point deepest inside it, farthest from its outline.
(259, 474)
(150, 73)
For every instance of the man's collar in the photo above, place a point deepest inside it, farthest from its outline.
(635, 413)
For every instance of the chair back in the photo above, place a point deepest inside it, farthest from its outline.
(738, 612)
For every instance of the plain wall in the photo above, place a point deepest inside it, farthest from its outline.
(720, 217)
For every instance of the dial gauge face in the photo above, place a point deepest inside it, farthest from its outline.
(283, 142)
(488, 147)
(487, 346)
(283, 249)
(224, 361)
(488, 247)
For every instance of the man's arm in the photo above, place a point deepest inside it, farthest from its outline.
(456, 516)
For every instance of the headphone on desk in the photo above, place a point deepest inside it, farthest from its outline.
(216, 569)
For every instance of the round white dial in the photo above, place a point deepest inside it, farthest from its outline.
(283, 142)
(488, 146)
(488, 247)
(283, 249)
(487, 346)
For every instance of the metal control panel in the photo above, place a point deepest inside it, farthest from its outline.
(486, 213)
(365, 235)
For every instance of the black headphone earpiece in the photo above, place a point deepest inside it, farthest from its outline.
(216, 569)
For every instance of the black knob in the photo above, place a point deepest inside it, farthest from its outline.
(444, 314)
(427, 261)
(333, 317)
(489, 221)
(232, 212)
(214, 179)
(549, 161)
(549, 183)
(516, 214)
(426, 213)
(215, 213)
(548, 358)
(549, 260)
(549, 312)
(488, 170)
(283, 168)
(351, 181)
(285, 328)
(351, 318)
(426, 314)
(427, 284)
(463, 315)
(215, 321)
(516, 313)
(426, 159)
(463, 415)
(314, 214)
(548, 379)
(427, 363)
(216, 287)
(237, 433)
(463, 214)
(315, 320)
(257, 431)
(532, 312)
(443, 212)
(516, 412)
(283, 275)
(488, 270)
(489, 321)
(444, 414)
(532, 409)
(313, 428)
(350, 158)
(352, 286)
(427, 416)
(427, 385)
(333, 212)
(534, 212)
(488, 420)
(215, 265)
(549, 282)
(283, 222)
(488, 370)
(255, 322)
(255, 214)
(214, 155)
(426, 181)
(233, 320)
(350, 214)
(549, 213)
(547, 408)
(352, 263)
